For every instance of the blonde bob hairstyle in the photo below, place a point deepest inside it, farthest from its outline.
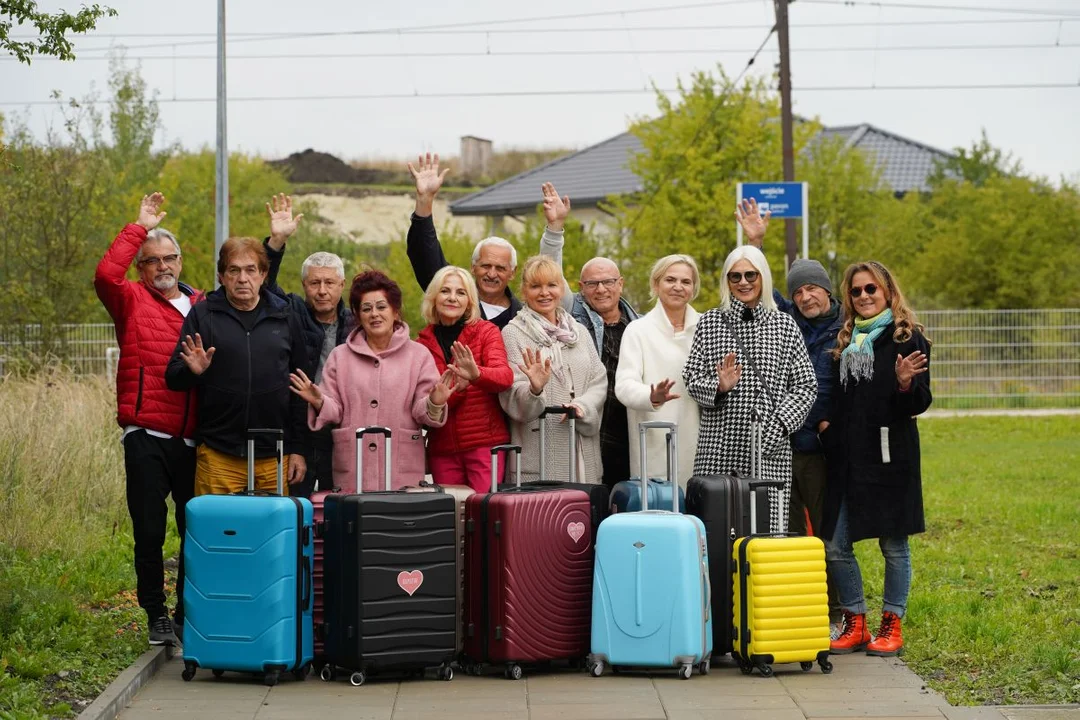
(540, 269)
(661, 266)
(427, 305)
(757, 259)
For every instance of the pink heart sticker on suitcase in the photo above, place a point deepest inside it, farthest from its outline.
(576, 530)
(410, 582)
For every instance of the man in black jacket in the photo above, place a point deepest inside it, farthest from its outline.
(494, 260)
(237, 349)
(325, 319)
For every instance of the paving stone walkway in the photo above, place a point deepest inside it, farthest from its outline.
(859, 687)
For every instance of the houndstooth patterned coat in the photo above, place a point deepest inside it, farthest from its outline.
(774, 341)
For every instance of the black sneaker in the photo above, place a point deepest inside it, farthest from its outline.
(161, 632)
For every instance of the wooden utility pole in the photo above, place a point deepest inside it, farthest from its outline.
(781, 7)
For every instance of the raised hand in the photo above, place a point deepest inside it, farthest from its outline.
(556, 209)
(728, 372)
(427, 176)
(754, 224)
(660, 393)
(536, 369)
(444, 388)
(308, 391)
(464, 364)
(194, 356)
(908, 367)
(282, 222)
(149, 211)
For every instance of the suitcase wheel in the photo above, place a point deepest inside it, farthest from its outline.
(686, 671)
(597, 668)
(327, 673)
(300, 674)
(218, 673)
(357, 679)
(826, 666)
(270, 679)
(446, 673)
(806, 666)
(514, 672)
(766, 670)
(704, 666)
(189, 671)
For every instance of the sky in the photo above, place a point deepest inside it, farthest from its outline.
(570, 73)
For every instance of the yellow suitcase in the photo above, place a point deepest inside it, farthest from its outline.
(781, 603)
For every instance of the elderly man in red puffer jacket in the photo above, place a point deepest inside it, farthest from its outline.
(158, 423)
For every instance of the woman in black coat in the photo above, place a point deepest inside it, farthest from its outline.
(881, 382)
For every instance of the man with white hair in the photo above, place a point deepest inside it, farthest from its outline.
(494, 260)
(324, 316)
(158, 423)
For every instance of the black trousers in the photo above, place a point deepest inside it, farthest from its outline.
(320, 468)
(157, 467)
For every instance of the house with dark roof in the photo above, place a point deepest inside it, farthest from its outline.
(592, 175)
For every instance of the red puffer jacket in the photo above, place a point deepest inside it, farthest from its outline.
(475, 418)
(147, 330)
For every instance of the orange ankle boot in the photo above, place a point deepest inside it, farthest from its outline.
(890, 638)
(854, 637)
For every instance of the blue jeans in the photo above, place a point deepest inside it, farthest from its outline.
(844, 571)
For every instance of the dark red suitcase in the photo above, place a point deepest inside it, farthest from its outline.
(318, 501)
(528, 569)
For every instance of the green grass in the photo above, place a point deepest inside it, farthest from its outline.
(994, 613)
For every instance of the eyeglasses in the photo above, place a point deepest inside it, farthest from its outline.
(606, 282)
(737, 277)
(368, 308)
(155, 261)
(870, 288)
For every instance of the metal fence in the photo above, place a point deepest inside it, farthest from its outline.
(980, 358)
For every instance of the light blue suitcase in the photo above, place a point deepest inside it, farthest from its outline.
(626, 495)
(651, 586)
(248, 581)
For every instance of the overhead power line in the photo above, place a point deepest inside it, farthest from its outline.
(555, 93)
(950, 8)
(589, 52)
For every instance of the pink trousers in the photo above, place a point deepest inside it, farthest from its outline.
(469, 467)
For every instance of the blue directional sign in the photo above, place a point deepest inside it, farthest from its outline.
(782, 199)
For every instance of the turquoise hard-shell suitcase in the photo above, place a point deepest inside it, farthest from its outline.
(248, 582)
(651, 586)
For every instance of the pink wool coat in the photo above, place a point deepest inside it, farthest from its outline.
(362, 388)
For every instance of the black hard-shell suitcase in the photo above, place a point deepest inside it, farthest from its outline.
(723, 504)
(391, 576)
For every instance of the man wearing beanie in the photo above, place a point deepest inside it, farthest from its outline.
(818, 316)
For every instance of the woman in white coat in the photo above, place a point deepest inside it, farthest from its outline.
(651, 358)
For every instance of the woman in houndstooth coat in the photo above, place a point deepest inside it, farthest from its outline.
(724, 382)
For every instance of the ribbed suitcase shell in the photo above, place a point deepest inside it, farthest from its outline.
(781, 602)
(529, 559)
(723, 504)
(378, 547)
(247, 587)
(317, 609)
(650, 591)
(461, 493)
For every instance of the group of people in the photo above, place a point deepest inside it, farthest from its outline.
(831, 385)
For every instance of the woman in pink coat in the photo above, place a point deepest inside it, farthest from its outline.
(377, 377)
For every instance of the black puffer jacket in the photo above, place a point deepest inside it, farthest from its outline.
(247, 383)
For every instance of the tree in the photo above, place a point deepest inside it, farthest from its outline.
(52, 28)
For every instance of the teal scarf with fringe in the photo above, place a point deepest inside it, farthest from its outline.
(857, 359)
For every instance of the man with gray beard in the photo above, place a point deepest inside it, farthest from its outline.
(158, 423)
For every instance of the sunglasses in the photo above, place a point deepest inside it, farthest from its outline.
(870, 288)
(737, 277)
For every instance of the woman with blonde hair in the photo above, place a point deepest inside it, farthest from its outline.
(882, 381)
(459, 452)
(651, 360)
(556, 365)
(748, 361)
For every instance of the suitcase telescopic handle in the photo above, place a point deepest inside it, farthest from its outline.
(754, 484)
(495, 450)
(672, 445)
(571, 414)
(279, 436)
(360, 433)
